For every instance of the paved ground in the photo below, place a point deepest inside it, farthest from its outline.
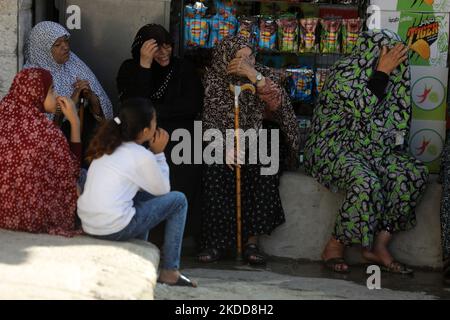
(286, 280)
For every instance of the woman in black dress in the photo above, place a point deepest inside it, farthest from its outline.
(177, 94)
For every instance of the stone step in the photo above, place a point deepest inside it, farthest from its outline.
(49, 267)
(311, 211)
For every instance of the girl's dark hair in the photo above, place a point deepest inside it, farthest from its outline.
(135, 115)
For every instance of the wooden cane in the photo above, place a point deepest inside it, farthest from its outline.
(237, 90)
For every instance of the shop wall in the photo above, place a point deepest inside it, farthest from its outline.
(15, 23)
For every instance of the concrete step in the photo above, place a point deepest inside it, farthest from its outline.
(311, 211)
(48, 267)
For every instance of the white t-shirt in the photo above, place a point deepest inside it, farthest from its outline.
(106, 205)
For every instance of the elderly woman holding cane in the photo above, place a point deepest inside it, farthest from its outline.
(234, 63)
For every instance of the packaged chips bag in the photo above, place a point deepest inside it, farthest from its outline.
(225, 8)
(350, 33)
(287, 34)
(267, 35)
(308, 38)
(196, 10)
(221, 28)
(330, 36)
(196, 31)
(248, 28)
(300, 83)
(321, 77)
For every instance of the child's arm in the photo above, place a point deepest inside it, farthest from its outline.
(153, 174)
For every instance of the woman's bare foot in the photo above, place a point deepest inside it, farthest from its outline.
(380, 254)
(333, 256)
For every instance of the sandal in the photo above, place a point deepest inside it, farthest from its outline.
(397, 268)
(209, 255)
(182, 281)
(253, 256)
(334, 263)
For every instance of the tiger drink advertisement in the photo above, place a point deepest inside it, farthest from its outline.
(427, 34)
(414, 5)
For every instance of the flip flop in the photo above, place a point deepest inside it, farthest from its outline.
(334, 262)
(182, 281)
(396, 267)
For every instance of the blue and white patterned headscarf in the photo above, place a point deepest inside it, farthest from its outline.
(38, 54)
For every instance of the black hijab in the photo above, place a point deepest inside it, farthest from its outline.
(161, 76)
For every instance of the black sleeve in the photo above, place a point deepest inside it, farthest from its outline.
(134, 81)
(186, 100)
(378, 84)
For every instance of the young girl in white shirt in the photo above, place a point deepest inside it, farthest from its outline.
(127, 191)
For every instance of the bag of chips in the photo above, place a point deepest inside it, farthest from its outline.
(248, 28)
(330, 36)
(308, 38)
(225, 8)
(287, 34)
(350, 33)
(321, 77)
(300, 84)
(196, 10)
(267, 36)
(221, 28)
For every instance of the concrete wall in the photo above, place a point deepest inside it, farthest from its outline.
(15, 23)
(311, 212)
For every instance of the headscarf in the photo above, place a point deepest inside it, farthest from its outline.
(39, 173)
(219, 100)
(38, 55)
(161, 76)
(339, 125)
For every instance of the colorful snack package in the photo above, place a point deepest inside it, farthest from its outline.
(350, 33)
(267, 35)
(330, 36)
(221, 28)
(287, 34)
(197, 32)
(321, 77)
(308, 39)
(248, 28)
(196, 10)
(300, 84)
(225, 8)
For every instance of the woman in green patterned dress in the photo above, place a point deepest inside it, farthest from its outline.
(358, 144)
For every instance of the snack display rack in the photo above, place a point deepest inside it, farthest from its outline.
(282, 62)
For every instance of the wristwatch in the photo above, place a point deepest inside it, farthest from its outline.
(259, 77)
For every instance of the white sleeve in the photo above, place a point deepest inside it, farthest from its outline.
(152, 174)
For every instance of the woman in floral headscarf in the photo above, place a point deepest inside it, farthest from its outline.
(48, 48)
(38, 183)
(234, 63)
(358, 144)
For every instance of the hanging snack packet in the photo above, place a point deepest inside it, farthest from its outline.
(267, 37)
(196, 29)
(225, 8)
(321, 77)
(330, 36)
(287, 34)
(300, 84)
(350, 33)
(221, 28)
(248, 28)
(196, 10)
(308, 39)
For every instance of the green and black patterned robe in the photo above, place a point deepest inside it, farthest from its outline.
(358, 145)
